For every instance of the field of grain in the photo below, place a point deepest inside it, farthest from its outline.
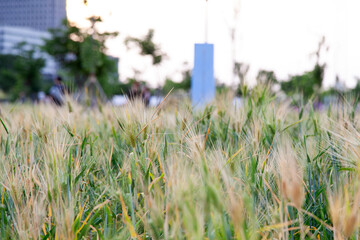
(265, 170)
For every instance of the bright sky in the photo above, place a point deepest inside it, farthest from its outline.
(277, 35)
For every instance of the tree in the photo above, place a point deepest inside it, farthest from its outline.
(82, 52)
(21, 74)
(8, 76)
(29, 67)
(304, 84)
(266, 77)
(309, 83)
(185, 84)
(147, 47)
(241, 70)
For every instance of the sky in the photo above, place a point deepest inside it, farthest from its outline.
(277, 35)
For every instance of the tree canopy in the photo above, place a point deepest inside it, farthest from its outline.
(308, 83)
(82, 52)
(20, 74)
(147, 47)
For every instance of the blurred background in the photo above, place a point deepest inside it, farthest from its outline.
(307, 48)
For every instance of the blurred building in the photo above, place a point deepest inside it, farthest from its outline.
(12, 36)
(28, 21)
(36, 14)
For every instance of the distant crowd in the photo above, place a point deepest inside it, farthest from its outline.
(58, 91)
(140, 91)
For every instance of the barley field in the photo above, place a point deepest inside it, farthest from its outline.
(264, 170)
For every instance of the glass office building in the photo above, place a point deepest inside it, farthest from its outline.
(36, 14)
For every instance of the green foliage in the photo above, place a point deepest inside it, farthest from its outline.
(83, 52)
(8, 79)
(356, 90)
(29, 67)
(123, 88)
(21, 74)
(309, 83)
(147, 47)
(306, 84)
(241, 70)
(265, 77)
(185, 84)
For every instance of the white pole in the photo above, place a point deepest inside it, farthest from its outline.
(206, 21)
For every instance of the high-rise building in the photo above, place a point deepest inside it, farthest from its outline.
(28, 21)
(36, 14)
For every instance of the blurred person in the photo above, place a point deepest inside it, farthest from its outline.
(135, 91)
(57, 91)
(146, 94)
(94, 92)
(158, 92)
(41, 97)
(22, 97)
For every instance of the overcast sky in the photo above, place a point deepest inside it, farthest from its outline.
(278, 35)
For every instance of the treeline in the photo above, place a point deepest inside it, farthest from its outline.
(81, 53)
